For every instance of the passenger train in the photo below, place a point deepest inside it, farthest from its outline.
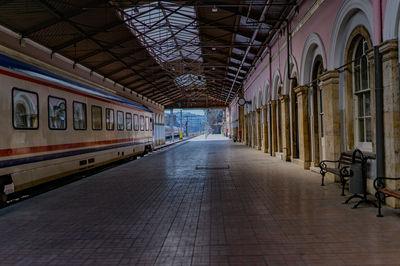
(168, 133)
(52, 126)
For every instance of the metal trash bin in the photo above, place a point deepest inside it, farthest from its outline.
(357, 180)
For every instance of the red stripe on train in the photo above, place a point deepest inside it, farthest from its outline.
(36, 149)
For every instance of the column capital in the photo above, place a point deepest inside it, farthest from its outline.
(330, 77)
(301, 90)
(389, 50)
(284, 98)
(272, 102)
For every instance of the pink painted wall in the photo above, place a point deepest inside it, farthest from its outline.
(321, 23)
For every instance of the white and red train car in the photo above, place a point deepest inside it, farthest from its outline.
(52, 126)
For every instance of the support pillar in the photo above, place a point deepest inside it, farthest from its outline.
(391, 115)
(274, 144)
(330, 91)
(245, 130)
(285, 131)
(304, 134)
(265, 129)
(258, 128)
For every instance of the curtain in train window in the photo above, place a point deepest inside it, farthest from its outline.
(136, 122)
(128, 121)
(80, 122)
(141, 122)
(151, 124)
(147, 123)
(57, 113)
(96, 118)
(25, 109)
(120, 120)
(109, 119)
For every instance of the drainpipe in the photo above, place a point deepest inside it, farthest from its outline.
(379, 142)
(288, 49)
(269, 98)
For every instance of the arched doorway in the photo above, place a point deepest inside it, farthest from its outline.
(295, 122)
(317, 111)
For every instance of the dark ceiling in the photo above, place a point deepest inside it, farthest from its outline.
(107, 38)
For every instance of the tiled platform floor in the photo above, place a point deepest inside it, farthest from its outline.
(162, 210)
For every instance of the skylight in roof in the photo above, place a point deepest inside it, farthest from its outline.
(167, 30)
(188, 79)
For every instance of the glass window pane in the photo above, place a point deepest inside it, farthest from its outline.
(25, 109)
(128, 121)
(109, 119)
(120, 120)
(367, 98)
(79, 116)
(141, 123)
(96, 118)
(361, 130)
(57, 113)
(360, 102)
(147, 123)
(357, 77)
(136, 122)
(364, 73)
(151, 124)
(368, 129)
(322, 125)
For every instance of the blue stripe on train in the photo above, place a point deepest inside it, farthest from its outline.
(34, 71)
(45, 157)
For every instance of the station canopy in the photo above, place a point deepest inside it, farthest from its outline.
(185, 54)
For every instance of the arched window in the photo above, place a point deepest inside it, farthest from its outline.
(362, 93)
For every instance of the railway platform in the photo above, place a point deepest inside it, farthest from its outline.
(202, 202)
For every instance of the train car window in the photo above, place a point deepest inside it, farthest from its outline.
(151, 124)
(141, 123)
(136, 122)
(147, 123)
(57, 113)
(25, 109)
(120, 120)
(97, 122)
(109, 119)
(80, 116)
(128, 121)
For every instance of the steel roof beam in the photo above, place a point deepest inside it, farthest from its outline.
(52, 22)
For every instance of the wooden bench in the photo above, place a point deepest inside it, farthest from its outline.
(382, 192)
(341, 167)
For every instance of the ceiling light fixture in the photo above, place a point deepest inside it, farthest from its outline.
(214, 9)
(213, 48)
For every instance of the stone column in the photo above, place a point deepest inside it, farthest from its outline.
(244, 136)
(241, 123)
(285, 119)
(304, 135)
(274, 144)
(265, 129)
(330, 91)
(391, 115)
(253, 130)
(248, 130)
(258, 126)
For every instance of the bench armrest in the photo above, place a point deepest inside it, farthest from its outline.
(344, 172)
(324, 166)
(379, 182)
